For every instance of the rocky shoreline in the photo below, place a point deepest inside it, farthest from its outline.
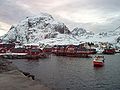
(6, 65)
(13, 79)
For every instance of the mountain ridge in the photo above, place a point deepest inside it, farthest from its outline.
(44, 28)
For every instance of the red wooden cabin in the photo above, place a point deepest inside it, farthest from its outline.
(55, 49)
(2, 50)
(70, 50)
(35, 53)
(31, 46)
(19, 50)
(6, 47)
(59, 50)
(47, 49)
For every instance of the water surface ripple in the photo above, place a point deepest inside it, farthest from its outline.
(67, 73)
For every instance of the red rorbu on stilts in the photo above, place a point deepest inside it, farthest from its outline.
(25, 52)
(72, 51)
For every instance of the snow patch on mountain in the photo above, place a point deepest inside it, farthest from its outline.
(61, 39)
(45, 29)
(87, 36)
(36, 28)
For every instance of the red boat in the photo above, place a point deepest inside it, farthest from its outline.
(109, 51)
(98, 61)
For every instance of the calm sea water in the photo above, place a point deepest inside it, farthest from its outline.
(67, 73)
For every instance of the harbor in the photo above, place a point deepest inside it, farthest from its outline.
(59, 45)
(73, 73)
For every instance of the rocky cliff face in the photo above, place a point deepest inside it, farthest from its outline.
(81, 32)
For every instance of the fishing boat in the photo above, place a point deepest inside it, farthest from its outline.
(109, 51)
(98, 61)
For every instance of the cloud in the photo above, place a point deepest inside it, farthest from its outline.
(88, 10)
(4, 26)
(2, 32)
(97, 15)
(12, 11)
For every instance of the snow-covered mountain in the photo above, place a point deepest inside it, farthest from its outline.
(81, 32)
(88, 36)
(36, 28)
(110, 36)
(45, 29)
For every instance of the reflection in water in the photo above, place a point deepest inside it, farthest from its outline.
(67, 73)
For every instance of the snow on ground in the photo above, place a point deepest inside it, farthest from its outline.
(99, 39)
(61, 39)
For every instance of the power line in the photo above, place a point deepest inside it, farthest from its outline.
(117, 27)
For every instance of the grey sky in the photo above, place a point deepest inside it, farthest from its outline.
(94, 15)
